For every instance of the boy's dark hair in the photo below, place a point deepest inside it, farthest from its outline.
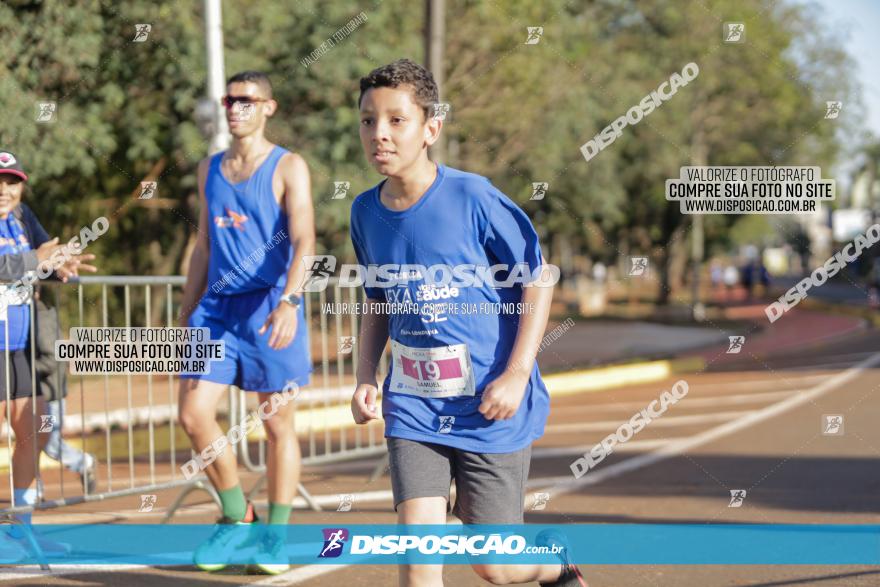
(404, 72)
(254, 77)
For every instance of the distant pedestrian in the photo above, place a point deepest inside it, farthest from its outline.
(731, 278)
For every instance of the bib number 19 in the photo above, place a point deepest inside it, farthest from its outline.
(432, 372)
(430, 368)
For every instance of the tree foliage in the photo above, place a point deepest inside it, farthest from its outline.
(519, 111)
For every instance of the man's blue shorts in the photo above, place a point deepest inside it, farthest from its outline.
(249, 363)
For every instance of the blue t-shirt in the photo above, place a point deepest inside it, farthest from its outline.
(250, 244)
(461, 219)
(14, 241)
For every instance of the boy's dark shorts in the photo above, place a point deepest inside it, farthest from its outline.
(490, 487)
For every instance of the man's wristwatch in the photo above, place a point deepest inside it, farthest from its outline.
(292, 299)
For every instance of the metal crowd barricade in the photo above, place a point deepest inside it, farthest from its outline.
(103, 406)
(331, 435)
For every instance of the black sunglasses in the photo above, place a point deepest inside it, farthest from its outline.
(230, 101)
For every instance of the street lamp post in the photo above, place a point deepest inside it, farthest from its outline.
(219, 130)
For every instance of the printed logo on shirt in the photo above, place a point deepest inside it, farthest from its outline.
(11, 241)
(430, 292)
(233, 219)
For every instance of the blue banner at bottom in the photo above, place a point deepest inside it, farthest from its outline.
(611, 544)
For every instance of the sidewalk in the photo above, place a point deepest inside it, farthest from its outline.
(592, 343)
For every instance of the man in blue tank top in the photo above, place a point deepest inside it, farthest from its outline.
(255, 226)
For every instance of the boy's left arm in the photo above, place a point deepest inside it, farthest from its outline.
(301, 228)
(503, 395)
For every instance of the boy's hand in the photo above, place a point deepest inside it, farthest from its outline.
(501, 398)
(282, 320)
(363, 403)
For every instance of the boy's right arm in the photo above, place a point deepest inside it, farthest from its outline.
(197, 276)
(373, 337)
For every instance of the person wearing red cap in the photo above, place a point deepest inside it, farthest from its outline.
(24, 246)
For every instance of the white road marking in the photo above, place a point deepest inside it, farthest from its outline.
(669, 449)
(567, 484)
(553, 485)
(21, 574)
(300, 574)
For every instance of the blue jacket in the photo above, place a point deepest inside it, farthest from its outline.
(13, 267)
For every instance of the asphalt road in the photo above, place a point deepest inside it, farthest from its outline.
(748, 422)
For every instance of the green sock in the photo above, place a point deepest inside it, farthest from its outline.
(233, 502)
(279, 513)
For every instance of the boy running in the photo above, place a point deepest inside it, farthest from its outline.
(463, 399)
(255, 226)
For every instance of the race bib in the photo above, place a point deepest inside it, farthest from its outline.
(443, 371)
